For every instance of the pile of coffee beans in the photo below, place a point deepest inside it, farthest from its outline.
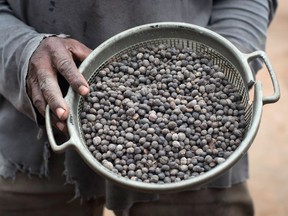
(162, 114)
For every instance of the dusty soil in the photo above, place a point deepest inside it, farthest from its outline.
(269, 153)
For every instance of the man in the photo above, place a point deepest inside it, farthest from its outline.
(37, 55)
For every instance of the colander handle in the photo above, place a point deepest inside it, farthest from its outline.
(55, 147)
(262, 55)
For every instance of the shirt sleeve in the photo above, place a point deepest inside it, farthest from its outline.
(243, 22)
(17, 43)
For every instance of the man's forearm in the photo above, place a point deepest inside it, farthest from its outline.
(17, 43)
(243, 22)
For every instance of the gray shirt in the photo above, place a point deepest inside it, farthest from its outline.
(24, 23)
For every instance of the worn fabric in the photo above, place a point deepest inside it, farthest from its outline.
(33, 196)
(24, 23)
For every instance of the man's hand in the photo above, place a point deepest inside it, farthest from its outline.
(56, 55)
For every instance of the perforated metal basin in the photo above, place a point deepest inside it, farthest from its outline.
(234, 64)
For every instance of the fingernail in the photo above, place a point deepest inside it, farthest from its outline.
(83, 90)
(60, 126)
(60, 112)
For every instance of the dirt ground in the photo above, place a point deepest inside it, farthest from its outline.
(268, 154)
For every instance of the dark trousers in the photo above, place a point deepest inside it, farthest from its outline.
(234, 201)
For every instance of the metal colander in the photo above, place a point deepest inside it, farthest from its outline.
(234, 64)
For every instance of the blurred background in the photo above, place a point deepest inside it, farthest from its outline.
(268, 155)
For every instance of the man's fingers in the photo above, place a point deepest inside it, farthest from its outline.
(64, 63)
(40, 105)
(60, 125)
(51, 92)
(79, 50)
(37, 96)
